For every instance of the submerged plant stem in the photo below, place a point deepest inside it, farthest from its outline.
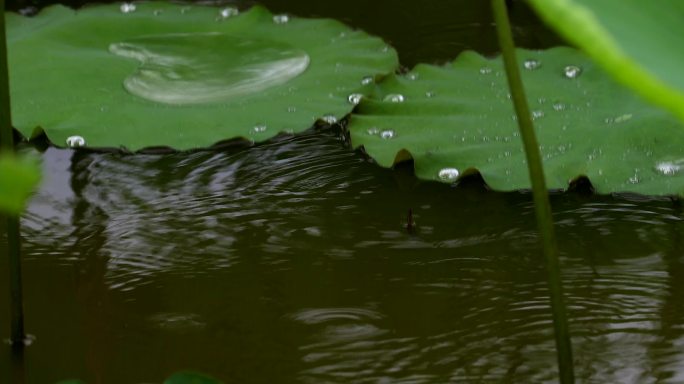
(540, 193)
(17, 335)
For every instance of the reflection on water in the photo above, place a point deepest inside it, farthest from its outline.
(290, 262)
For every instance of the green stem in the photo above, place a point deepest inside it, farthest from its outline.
(539, 191)
(17, 335)
(6, 138)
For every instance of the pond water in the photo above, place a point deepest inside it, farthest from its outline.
(290, 261)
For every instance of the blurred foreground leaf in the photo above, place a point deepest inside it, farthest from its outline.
(638, 42)
(18, 178)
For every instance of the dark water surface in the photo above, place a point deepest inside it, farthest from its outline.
(290, 262)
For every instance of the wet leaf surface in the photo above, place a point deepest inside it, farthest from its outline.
(155, 74)
(459, 117)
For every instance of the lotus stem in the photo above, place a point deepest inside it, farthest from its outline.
(539, 191)
(17, 335)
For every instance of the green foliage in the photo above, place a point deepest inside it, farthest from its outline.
(183, 76)
(459, 116)
(638, 42)
(18, 178)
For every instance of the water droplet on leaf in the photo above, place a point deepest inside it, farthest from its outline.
(75, 141)
(260, 128)
(394, 98)
(485, 70)
(355, 98)
(228, 12)
(330, 119)
(175, 70)
(531, 64)
(373, 131)
(281, 19)
(572, 72)
(367, 80)
(388, 134)
(558, 107)
(127, 7)
(668, 168)
(448, 174)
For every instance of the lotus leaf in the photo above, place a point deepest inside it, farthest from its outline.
(18, 178)
(152, 74)
(636, 41)
(458, 117)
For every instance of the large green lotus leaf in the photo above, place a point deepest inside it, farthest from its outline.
(158, 74)
(460, 116)
(18, 178)
(639, 42)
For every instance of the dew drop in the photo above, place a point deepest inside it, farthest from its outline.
(127, 8)
(388, 134)
(281, 19)
(531, 64)
(537, 115)
(259, 128)
(412, 76)
(448, 174)
(355, 98)
(157, 12)
(394, 98)
(330, 119)
(668, 168)
(485, 70)
(228, 12)
(75, 141)
(373, 131)
(558, 107)
(572, 72)
(367, 80)
(430, 94)
(292, 109)
(623, 118)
